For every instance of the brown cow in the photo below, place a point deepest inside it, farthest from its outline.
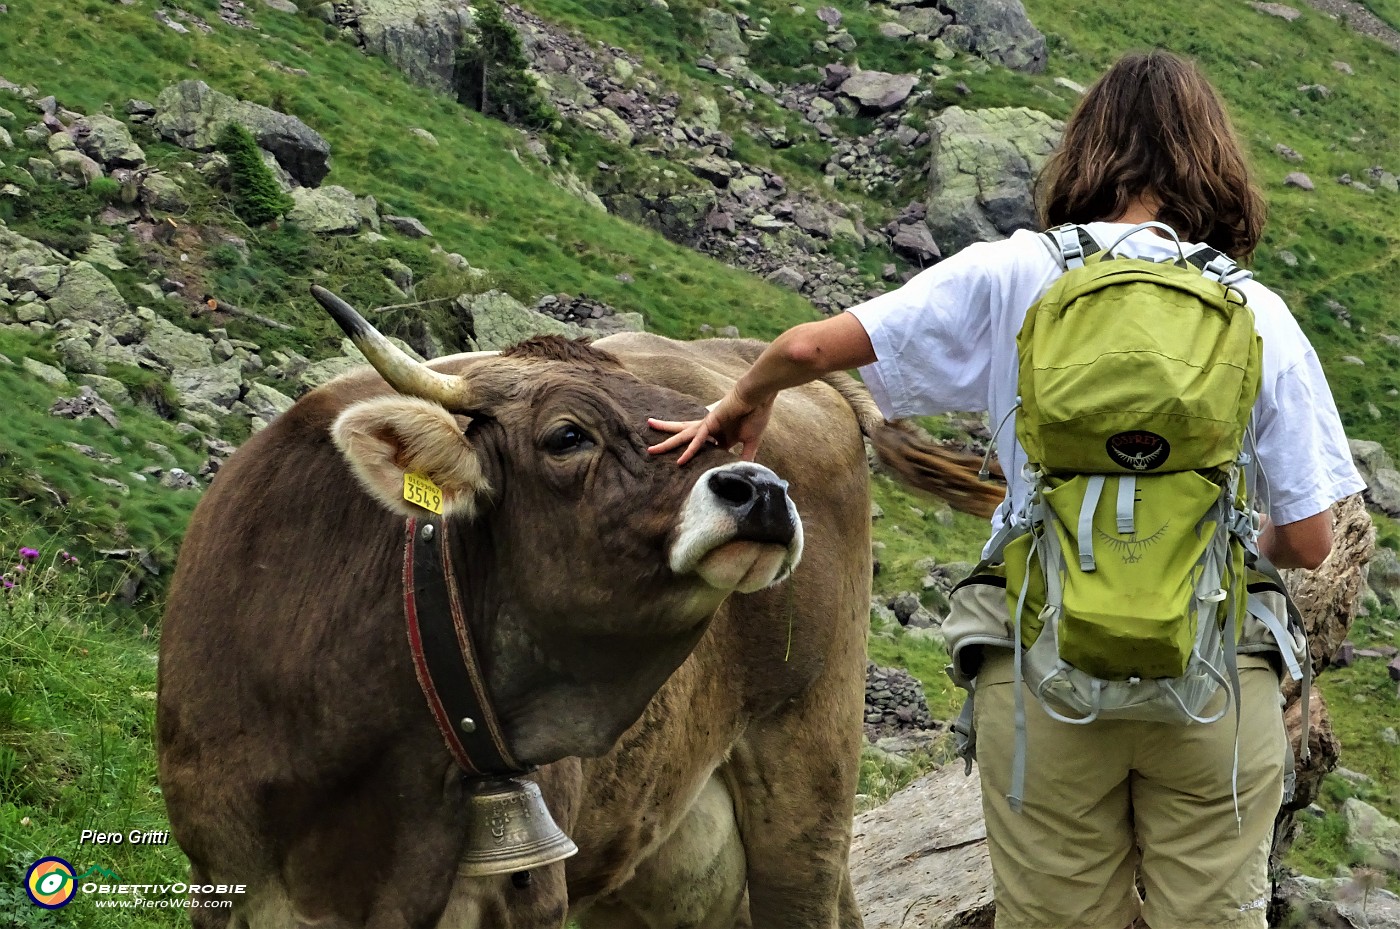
(297, 754)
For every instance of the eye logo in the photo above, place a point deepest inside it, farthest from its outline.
(50, 883)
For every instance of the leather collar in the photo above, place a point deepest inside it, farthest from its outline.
(444, 658)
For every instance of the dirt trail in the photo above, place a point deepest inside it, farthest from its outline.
(1359, 19)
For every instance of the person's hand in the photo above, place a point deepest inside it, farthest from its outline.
(732, 421)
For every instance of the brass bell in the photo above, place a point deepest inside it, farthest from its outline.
(510, 829)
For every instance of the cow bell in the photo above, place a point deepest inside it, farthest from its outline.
(510, 829)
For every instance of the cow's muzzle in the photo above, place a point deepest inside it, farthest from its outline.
(738, 530)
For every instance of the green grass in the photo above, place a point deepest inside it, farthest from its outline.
(504, 214)
(54, 489)
(77, 705)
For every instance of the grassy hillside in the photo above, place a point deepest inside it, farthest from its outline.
(75, 706)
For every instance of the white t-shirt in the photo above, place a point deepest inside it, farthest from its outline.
(946, 341)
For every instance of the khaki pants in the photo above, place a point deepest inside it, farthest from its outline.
(1109, 800)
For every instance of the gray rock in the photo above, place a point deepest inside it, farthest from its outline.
(787, 277)
(420, 37)
(86, 404)
(923, 20)
(921, 859)
(1369, 457)
(879, 90)
(177, 478)
(721, 35)
(1383, 575)
(77, 166)
(327, 210)
(407, 225)
(110, 389)
(6, 142)
(17, 252)
(983, 167)
(216, 385)
(915, 242)
(109, 141)
(499, 321)
(85, 293)
(1373, 836)
(608, 124)
(1383, 491)
(427, 137)
(1298, 179)
(1282, 11)
(1286, 153)
(174, 348)
(1338, 903)
(163, 192)
(191, 115)
(893, 30)
(44, 372)
(266, 402)
(282, 6)
(1001, 32)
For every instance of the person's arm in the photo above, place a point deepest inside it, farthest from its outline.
(1302, 544)
(801, 354)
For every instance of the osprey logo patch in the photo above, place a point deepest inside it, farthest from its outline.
(1138, 450)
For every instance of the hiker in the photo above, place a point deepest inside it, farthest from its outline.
(1078, 806)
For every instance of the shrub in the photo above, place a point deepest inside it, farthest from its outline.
(256, 197)
(492, 74)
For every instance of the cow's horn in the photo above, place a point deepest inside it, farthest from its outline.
(403, 373)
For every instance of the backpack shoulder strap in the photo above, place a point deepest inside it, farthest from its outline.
(1070, 245)
(1217, 266)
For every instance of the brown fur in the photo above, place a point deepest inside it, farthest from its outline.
(296, 754)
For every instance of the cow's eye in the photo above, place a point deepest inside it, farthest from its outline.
(565, 439)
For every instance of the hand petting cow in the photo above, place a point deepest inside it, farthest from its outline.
(419, 586)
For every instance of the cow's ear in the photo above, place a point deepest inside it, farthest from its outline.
(389, 437)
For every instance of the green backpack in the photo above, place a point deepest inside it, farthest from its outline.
(1126, 569)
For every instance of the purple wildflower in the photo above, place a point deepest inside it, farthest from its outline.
(20, 569)
(29, 554)
(7, 582)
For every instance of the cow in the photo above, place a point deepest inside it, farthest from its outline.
(677, 654)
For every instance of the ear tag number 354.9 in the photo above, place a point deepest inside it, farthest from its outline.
(420, 490)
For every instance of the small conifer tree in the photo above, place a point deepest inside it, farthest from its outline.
(256, 197)
(493, 74)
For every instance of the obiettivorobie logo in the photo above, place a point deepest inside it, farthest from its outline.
(52, 884)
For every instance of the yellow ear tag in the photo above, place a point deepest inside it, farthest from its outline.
(420, 490)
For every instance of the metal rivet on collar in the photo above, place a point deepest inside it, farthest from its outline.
(428, 532)
(467, 725)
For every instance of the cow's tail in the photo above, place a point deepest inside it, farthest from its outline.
(917, 459)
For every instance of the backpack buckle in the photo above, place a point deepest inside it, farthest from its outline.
(1215, 596)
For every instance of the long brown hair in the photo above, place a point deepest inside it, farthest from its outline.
(1154, 127)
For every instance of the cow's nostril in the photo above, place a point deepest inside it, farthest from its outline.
(734, 489)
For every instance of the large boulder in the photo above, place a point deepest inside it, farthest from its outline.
(214, 385)
(85, 293)
(921, 859)
(1374, 837)
(878, 91)
(499, 321)
(192, 115)
(984, 164)
(17, 252)
(721, 35)
(1000, 32)
(1338, 903)
(325, 210)
(109, 141)
(420, 37)
(1383, 576)
(174, 348)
